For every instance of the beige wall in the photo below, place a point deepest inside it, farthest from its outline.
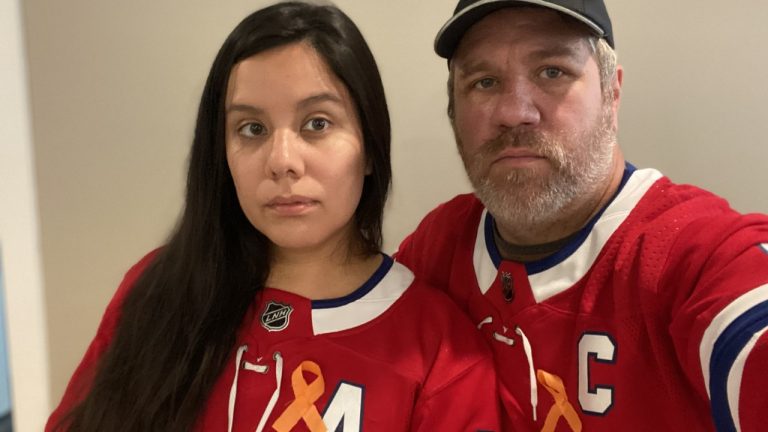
(695, 94)
(115, 86)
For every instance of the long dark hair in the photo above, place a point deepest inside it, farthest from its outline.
(179, 321)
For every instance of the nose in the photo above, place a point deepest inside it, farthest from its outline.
(516, 105)
(284, 159)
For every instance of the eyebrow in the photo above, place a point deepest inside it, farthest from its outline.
(244, 108)
(311, 100)
(319, 98)
(555, 51)
(473, 68)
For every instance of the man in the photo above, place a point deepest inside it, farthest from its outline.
(614, 299)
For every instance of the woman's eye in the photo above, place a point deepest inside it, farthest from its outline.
(485, 83)
(251, 130)
(552, 73)
(317, 124)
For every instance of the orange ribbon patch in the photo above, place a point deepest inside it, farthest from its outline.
(303, 406)
(561, 407)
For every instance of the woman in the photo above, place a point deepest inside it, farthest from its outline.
(272, 307)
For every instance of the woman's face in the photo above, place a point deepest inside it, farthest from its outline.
(295, 149)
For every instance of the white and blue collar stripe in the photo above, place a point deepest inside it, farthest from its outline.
(378, 275)
(368, 302)
(571, 247)
(556, 274)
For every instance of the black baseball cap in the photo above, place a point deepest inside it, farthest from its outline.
(590, 12)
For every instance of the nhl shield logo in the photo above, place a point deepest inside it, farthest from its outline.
(276, 316)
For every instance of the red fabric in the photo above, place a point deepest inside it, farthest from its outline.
(418, 366)
(677, 261)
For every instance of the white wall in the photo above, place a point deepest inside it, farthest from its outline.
(115, 87)
(19, 236)
(695, 94)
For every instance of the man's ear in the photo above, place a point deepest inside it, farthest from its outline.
(616, 93)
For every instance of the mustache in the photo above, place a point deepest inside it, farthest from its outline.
(536, 141)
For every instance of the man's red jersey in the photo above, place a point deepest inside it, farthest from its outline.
(652, 318)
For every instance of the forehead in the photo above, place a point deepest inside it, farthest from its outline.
(522, 28)
(289, 71)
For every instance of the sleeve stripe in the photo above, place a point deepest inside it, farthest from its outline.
(734, 378)
(722, 321)
(727, 362)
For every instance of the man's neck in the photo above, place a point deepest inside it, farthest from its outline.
(528, 253)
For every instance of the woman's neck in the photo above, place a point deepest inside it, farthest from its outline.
(323, 274)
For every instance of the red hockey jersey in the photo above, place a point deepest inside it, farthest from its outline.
(395, 355)
(652, 319)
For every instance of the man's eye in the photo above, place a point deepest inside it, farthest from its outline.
(552, 73)
(485, 83)
(317, 124)
(251, 130)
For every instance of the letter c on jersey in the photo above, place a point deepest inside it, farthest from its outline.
(600, 348)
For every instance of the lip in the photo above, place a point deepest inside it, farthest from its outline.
(518, 153)
(518, 156)
(291, 205)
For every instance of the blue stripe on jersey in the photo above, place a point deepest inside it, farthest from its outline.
(357, 294)
(725, 351)
(490, 242)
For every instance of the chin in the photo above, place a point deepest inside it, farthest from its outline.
(306, 241)
(294, 241)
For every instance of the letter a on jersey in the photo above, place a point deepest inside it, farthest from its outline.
(345, 409)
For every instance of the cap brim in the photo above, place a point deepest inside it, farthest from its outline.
(452, 31)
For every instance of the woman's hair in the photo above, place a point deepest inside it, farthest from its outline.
(178, 323)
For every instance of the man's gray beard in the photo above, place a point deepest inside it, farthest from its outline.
(526, 201)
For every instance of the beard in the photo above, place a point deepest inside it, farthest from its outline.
(528, 199)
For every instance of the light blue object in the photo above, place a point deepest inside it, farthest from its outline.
(5, 386)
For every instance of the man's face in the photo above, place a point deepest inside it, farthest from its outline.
(531, 123)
